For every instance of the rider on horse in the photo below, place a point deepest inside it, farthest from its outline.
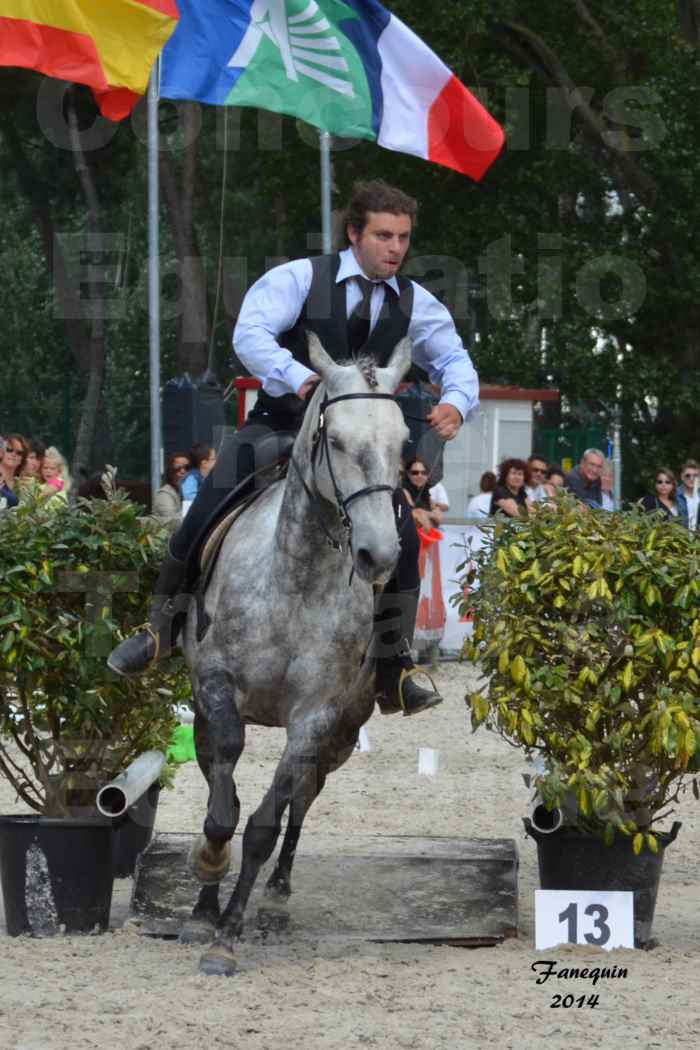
(354, 301)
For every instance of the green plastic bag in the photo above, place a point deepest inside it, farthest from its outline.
(182, 745)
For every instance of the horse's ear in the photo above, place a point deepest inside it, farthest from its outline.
(399, 363)
(322, 362)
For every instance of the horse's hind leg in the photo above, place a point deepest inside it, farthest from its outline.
(219, 738)
(273, 914)
(297, 781)
(278, 887)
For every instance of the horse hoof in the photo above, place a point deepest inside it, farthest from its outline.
(277, 892)
(208, 864)
(272, 920)
(197, 931)
(217, 962)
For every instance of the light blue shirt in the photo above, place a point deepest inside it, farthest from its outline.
(273, 304)
(190, 485)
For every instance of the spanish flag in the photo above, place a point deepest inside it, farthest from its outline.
(109, 45)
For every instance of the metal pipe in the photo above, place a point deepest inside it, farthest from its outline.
(546, 820)
(114, 798)
(617, 459)
(154, 280)
(326, 215)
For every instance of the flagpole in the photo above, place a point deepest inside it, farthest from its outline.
(154, 280)
(326, 231)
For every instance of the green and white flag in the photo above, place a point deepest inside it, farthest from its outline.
(346, 66)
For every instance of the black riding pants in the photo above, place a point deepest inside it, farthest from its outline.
(255, 445)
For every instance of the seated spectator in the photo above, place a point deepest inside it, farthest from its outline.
(584, 480)
(30, 477)
(480, 506)
(16, 449)
(415, 486)
(202, 458)
(688, 494)
(534, 479)
(7, 496)
(167, 502)
(554, 481)
(55, 475)
(36, 450)
(663, 498)
(509, 496)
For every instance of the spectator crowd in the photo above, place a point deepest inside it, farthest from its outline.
(514, 490)
(520, 485)
(28, 466)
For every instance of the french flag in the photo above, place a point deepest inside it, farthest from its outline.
(421, 106)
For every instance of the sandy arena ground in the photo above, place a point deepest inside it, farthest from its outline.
(124, 990)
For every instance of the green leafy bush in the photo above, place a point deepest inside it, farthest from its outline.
(73, 582)
(587, 628)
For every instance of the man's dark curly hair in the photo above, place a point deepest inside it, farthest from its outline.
(376, 196)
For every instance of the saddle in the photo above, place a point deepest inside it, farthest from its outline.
(272, 453)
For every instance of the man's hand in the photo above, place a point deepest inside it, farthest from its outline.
(307, 387)
(446, 420)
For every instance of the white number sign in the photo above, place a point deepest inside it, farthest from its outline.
(599, 918)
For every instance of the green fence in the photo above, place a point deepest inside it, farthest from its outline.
(566, 445)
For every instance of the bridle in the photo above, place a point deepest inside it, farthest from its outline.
(321, 448)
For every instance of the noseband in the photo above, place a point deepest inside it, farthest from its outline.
(321, 448)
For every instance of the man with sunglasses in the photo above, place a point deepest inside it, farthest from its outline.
(356, 303)
(687, 495)
(535, 479)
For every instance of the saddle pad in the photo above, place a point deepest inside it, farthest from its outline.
(211, 545)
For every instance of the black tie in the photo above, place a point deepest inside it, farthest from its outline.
(358, 321)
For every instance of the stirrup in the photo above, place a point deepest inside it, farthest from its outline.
(407, 673)
(155, 635)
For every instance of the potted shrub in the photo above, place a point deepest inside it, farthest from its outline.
(587, 629)
(72, 581)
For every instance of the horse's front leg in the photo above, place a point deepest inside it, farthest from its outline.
(219, 740)
(299, 777)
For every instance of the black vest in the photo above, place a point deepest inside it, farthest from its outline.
(325, 314)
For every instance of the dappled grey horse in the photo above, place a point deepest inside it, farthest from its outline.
(291, 607)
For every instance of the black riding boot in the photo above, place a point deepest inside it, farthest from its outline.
(155, 640)
(397, 688)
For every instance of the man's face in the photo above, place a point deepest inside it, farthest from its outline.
(690, 477)
(381, 247)
(591, 468)
(537, 468)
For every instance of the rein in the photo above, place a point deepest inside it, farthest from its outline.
(319, 448)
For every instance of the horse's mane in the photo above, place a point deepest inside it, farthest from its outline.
(367, 367)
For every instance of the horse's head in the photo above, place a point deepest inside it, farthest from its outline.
(357, 435)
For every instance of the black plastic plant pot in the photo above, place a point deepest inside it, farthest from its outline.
(571, 859)
(56, 874)
(134, 831)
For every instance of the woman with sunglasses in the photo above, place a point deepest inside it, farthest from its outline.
(167, 502)
(663, 497)
(7, 496)
(12, 463)
(425, 511)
